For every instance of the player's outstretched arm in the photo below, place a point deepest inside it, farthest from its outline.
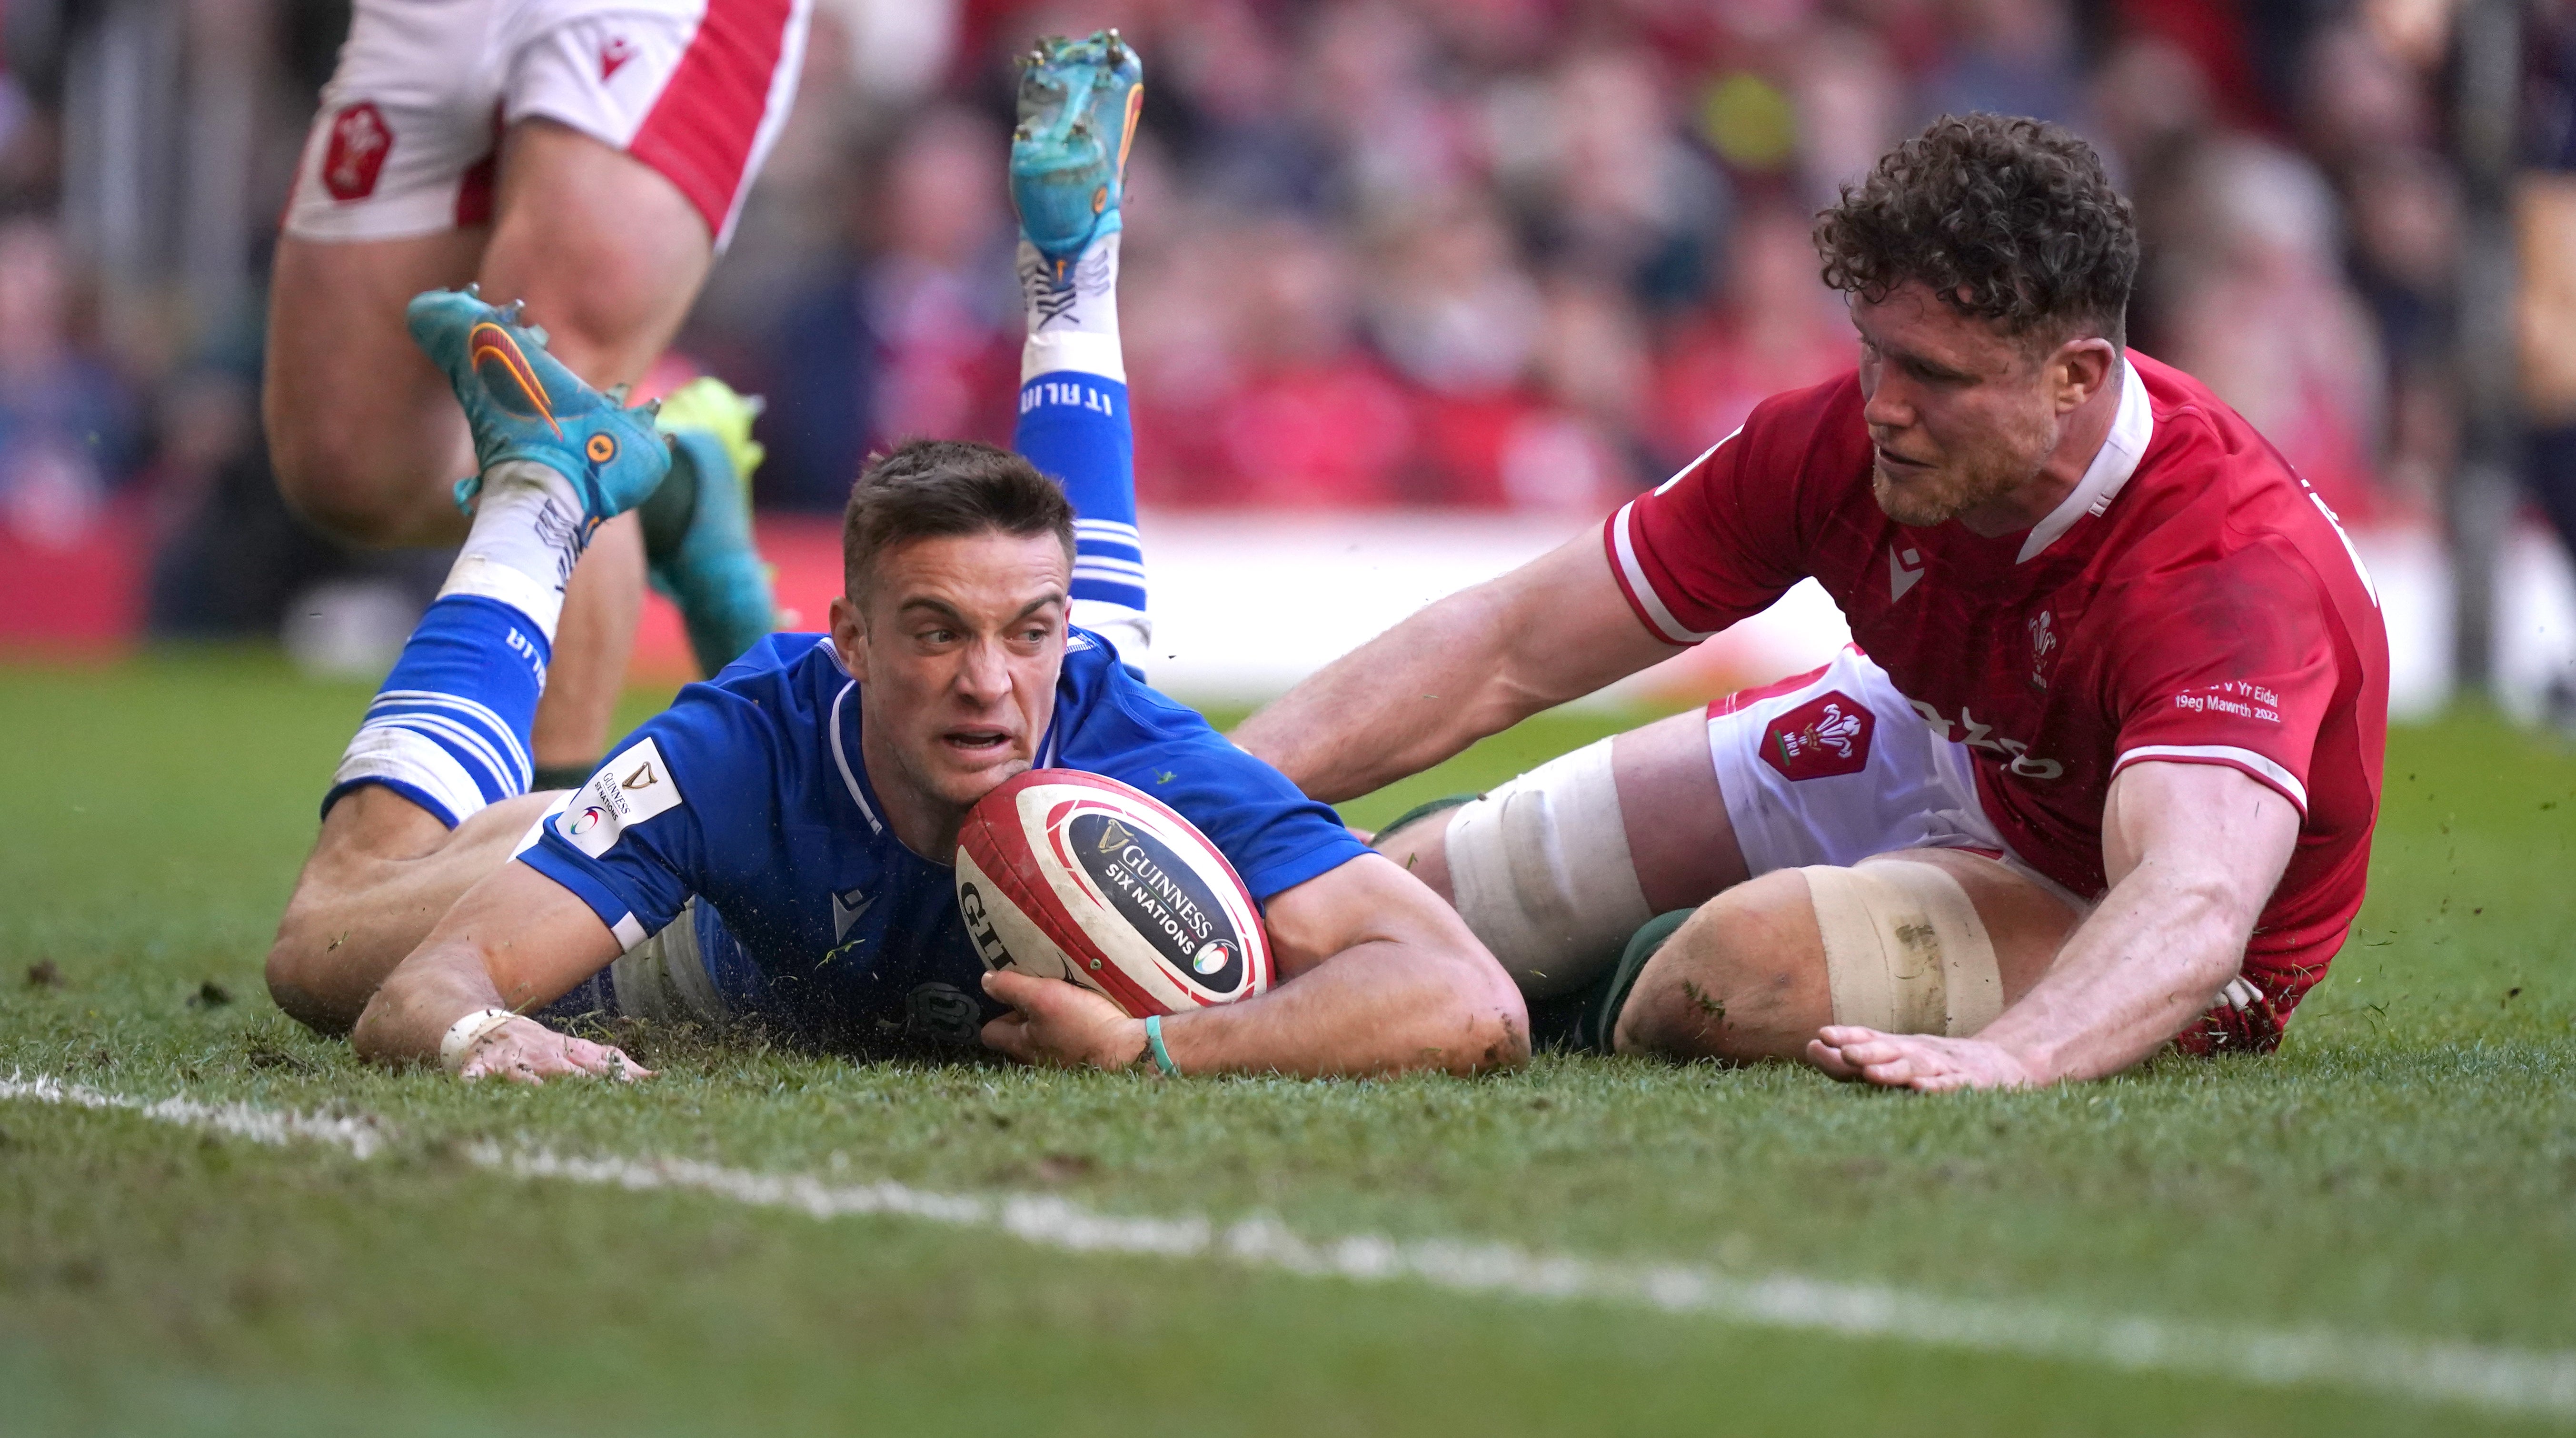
(1472, 664)
(2193, 852)
(1381, 978)
(515, 940)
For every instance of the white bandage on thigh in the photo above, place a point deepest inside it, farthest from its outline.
(1541, 872)
(1905, 951)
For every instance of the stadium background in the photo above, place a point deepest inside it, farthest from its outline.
(1412, 291)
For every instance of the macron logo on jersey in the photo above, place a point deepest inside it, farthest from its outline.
(848, 909)
(1904, 570)
(629, 789)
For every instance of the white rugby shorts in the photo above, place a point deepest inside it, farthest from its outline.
(1835, 766)
(408, 136)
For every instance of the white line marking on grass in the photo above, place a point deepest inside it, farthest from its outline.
(2502, 1379)
(362, 1136)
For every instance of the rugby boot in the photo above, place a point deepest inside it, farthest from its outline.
(1078, 105)
(522, 404)
(697, 526)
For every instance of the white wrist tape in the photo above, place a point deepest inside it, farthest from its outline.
(465, 1033)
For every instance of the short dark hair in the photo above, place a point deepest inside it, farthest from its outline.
(930, 488)
(2006, 219)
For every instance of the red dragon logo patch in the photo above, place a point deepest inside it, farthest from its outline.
(360, 141)
(1825, 736)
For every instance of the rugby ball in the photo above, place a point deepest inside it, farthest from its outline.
(1077, 876)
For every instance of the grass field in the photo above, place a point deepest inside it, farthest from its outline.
(2373, 1232)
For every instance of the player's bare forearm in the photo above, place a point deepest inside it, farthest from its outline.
(413, 1009)
(1397, 705)
(2143, 965)
(515, 940)
(1472, 664)
(1384, 1007)
(2194, 851)
(1379, 977)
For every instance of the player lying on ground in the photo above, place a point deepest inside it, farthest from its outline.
(589, 156)
(2104, 776)
(782, 834)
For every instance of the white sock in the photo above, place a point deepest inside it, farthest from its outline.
(1073, 321)
(528, 532)
(1129, 628)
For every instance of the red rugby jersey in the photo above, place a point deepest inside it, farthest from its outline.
(2192, 600)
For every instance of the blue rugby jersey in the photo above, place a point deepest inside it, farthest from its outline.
(750, 792)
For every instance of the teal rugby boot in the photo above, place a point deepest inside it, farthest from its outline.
(1078, 105)
(522, 404)
(697, 526)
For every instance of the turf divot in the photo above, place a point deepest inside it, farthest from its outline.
(2496, 1379)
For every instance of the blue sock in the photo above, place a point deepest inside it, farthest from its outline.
(449, 729)
(1074, 426)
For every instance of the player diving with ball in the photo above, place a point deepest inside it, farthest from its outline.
(773, 847)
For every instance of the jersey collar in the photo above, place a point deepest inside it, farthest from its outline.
(853, 776)
(1075, 641)
(2132, 425)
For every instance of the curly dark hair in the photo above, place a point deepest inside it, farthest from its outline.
(2006, 219)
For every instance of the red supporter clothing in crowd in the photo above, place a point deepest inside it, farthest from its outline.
(2193, 600)
(1335, 435)
(1716, 372)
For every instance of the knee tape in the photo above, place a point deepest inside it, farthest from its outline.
(1540, 870)
(1905, 952)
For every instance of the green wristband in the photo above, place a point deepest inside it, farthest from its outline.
(1162, 1055)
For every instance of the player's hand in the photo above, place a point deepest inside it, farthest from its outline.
(1926, 1062)
(525, 1051)
(1059, 1024)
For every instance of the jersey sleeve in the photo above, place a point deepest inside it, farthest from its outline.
(1275, 836)
(2233, 663)
(635, 842)
(1720, 540)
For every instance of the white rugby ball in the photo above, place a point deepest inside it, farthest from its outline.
(1077, 876)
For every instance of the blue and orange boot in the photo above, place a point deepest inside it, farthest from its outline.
(522, 404)
(697, 527)
(1078, 104)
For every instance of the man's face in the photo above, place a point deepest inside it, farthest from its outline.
(1960, 415)
(956, 647)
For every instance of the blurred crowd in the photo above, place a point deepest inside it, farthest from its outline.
(1529, 255)
(1509, 255)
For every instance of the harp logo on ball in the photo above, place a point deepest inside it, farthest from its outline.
(1153, 889)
